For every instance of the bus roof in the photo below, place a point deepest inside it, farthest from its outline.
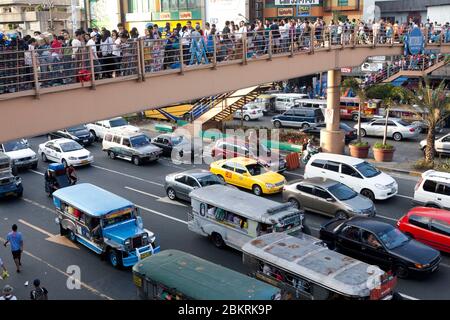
(304, 255)
(91, 199)
(242, 203)
(200, 279)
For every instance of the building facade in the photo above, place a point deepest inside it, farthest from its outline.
(28, 16)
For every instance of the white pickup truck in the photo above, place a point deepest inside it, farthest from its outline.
(99, 128)
(20, 153)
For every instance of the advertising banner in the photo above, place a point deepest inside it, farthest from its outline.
(219, 11)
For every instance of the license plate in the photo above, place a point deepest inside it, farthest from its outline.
(10, 194)
(145, 255)
(84, 162)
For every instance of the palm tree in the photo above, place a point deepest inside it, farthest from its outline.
(361, 91)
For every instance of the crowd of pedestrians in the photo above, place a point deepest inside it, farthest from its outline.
(63, 59)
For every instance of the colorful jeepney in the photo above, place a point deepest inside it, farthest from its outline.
(107, 224)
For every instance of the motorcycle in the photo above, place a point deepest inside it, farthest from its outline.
(309, 152)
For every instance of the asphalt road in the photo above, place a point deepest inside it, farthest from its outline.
(49, 260)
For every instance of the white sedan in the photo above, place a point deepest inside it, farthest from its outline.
(249, 112)
(65, 151)
(398, 129)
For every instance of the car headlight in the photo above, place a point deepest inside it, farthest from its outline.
(127, 243)
(72, 158)
(18, 181)
(34, 156)
(351, 209)
(380, 186)
(270, 185)
(421, 266)
(15, 161)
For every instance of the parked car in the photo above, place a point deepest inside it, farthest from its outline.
(356, 173)
(433, 190)
(177, 146)
(179, 185)
(423, 126)
(350, 133)
(130, 146)
(248, 112)
(428, 225)
(249, 174)
(20, 153)
(285, 101)
(299, 118)
(232, 147)
(382, 244)
(398, 129)
(65, 151)
(328, 197)
(10, 185)
(79, 134)
(441, 145)
(98, 129)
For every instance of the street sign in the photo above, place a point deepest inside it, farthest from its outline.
(415, 41)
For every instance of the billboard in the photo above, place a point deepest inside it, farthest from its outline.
(219, 11)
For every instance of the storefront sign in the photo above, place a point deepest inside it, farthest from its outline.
(164, 16)
(185, 15)
(346, 70)
(296, 2)
(285, 12)
(304, 11)
(219, 11)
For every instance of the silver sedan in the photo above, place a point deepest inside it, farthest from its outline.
(398, 129)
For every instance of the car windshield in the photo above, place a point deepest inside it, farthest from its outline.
(342, 192)
(117, 219)
(118, 123)
(70, 146)
(78, 128)
(403, 123)
(139, 141)
(209, 180)
(177, 140)
(256, 169)
(392, 238)
(346, 127)
(367, 170)
(15, 145)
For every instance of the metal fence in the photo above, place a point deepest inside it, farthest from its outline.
(33, 72)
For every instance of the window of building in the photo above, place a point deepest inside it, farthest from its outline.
(342, 3)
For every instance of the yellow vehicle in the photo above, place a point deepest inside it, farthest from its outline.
(249, 174)
(177, 112)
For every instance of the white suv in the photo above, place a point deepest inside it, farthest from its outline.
(99, 128)
(358, 174)
(20, 153)
(433, 190)
(249, 112)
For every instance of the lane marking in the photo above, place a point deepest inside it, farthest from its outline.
(388, 218)
(86, 286)
(294, 174)
(162, 214)
(34, 203)
(48, 234)
(37, 172)
(158, 198)
(128, 175)
(405, 197)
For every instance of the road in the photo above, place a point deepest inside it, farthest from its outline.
(48, 256)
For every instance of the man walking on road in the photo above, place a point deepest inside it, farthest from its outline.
(16, 241)
(39, 293)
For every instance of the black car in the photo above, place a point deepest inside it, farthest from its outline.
(380, 243)
(350, 133)
(79, 134)
(179, 147)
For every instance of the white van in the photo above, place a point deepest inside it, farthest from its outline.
(130, 146)
(233, 217)
(285, 101)
(358, 174)
(100, 128)
(433, 190)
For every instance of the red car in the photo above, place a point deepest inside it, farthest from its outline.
(428, 225)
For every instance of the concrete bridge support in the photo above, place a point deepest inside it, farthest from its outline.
(332, 139)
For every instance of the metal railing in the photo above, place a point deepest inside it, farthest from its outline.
(43, 70)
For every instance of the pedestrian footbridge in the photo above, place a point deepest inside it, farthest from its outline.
(38, 98)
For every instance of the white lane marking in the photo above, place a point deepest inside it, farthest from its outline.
(162, 214)
(384, 217)
(402, 196)
(158, 198)
(408, 297)
(128, 175)
(88, 287)
(444, 265)
(294, 174)
(34, 203)
(37, 172)
(48, 234)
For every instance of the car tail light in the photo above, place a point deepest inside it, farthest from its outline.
(412, 129)
(418, 184)
(253, 112)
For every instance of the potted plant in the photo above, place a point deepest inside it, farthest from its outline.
(359, 149)
(383, 152)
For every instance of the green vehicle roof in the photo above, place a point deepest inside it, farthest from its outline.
(200, 279)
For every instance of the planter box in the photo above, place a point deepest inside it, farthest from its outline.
(359, 152)
(383, 155)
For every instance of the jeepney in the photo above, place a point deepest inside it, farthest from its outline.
(176, 275)
(305, 269)
(232, 217)
(10, 185)
(107, 224)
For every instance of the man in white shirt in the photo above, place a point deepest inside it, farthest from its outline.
(92, 43)
(77, 43)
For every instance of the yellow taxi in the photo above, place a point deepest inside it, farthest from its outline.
(249, 174)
